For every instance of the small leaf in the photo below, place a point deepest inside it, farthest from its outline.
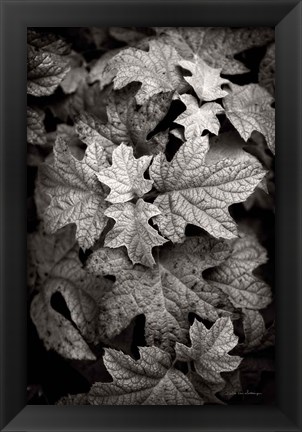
(249, 109)
(133, 230)
(196, 119)
(125, 177)
(205, 80)
(147, 381)
(210, 348)
(76, 194)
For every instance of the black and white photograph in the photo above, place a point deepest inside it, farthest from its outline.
(151, 216)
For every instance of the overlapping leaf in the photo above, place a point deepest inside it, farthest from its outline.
(205, 80)
(127, 122)
(192, 192)
(148, 381)
(235, 276)
(249, 109)
(210, 348)
(69, 337)
(157, 70)
(36, 133)
(133, 231)
(196, 119)
(76, 194)
(267, 70)
(217, 46)
(165, 294)
(45, 71)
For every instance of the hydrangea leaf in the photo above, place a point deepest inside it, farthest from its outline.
(76, 194)
(209, 349)
(70, 338)
(235, 276)
(125, 176)
(99, 72)
(90, 131)
(192, 192)
(45, 71)
(165, 294)
(156, 70)
(48, 42)
(36, 133)
(150, 380)
(267, 70)
(45, 251)
(195, 119)
(128, 123)
(205, 80)
(249, 109)
(217, 46)
(133, 230)
(254, 329)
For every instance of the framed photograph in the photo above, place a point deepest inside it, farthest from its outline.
(150, 227)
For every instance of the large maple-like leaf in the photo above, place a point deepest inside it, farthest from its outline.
(150, 380)
(193, 192)
(76, 194)
(133, 230)
(125, 176)
(249, 109)
(209, 349)
(235, 276)
(196, 119)
(157, 70)
(69, 337)
(205, 80)
(217, 46)
(165, 294)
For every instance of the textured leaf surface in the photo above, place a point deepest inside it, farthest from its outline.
(69, 338)
(76, 194)
(45, 251)
(267, 70)
(217, 45)
(235, 276)
(133, 230)
(147, 381)
(210, 348)
(195, 119)
(47, 42)
(254, 329)
(249, 109)
(165, 294)
(90, 131)
(156, 69)
(205, 80)
(45, 71)
(192, 192)
(125, 177)
(36, 133)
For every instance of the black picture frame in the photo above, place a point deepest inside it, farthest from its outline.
(286, 16)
